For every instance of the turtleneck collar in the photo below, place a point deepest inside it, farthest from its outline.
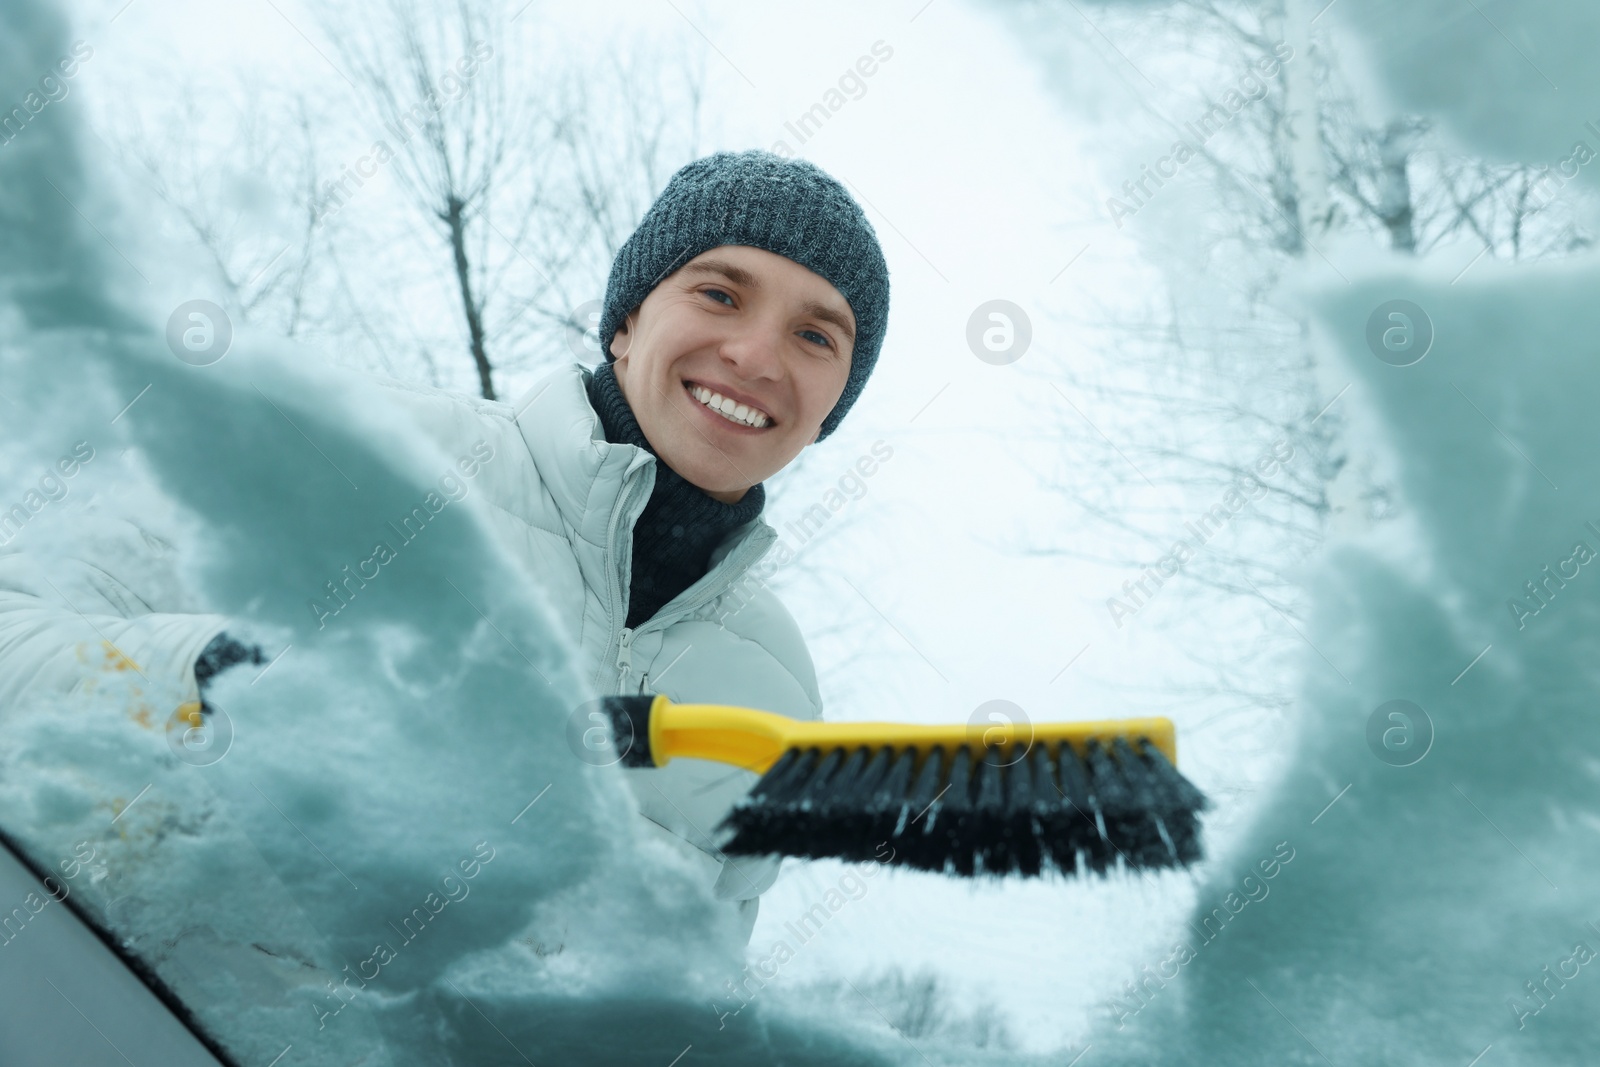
(681, 524)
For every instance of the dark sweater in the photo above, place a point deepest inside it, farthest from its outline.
(680, 525)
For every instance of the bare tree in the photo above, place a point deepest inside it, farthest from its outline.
(530, 170)
(618, 133)
(1208, 371)
(429, 78)
(1284, 173)
(224, 194)
(499, 183)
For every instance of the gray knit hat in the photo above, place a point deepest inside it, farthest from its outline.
(786, 206)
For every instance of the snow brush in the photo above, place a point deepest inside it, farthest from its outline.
(959, 799)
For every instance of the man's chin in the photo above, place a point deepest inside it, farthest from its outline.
(711, 486)
(720, 489)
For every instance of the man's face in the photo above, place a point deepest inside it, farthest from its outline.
(756, 328)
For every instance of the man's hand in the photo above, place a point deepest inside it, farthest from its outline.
(223, 652)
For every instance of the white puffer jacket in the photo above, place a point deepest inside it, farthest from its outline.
(564, 500)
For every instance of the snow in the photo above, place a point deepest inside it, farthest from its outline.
(1438, 908)
(1424, 895)
(1509, 80)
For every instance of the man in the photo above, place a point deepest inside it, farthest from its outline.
(725, 370)
(741, 321)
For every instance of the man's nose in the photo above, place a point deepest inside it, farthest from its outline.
(755, 351)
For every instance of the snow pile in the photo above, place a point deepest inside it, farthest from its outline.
(396, 858)
(1444, 801)
(1513, 80)
(1442, 807)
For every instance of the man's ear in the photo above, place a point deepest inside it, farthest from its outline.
(622, 331)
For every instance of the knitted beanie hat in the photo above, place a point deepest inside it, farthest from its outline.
(787, 206)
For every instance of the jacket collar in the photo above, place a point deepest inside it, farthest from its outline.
(579, 468)
(584, 473)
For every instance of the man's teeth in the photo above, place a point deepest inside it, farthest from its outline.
(739, 413)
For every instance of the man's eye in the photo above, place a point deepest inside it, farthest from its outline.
(826, 340)
(717, 292)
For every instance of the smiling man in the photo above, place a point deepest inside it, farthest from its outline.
(724, 372)
(732, 363)
(741, 320)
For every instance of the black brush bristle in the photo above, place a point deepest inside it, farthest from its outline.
(1025, 813)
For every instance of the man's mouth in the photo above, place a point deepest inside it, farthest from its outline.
(739, 414)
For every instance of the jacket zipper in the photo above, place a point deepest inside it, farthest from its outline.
(624, 658)
(619, 603)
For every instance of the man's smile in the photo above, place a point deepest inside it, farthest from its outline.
(724, 409)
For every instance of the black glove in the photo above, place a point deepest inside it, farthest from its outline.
(223, 652)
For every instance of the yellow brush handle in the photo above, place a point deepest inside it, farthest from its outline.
(745, 737)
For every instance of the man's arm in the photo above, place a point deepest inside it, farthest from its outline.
(103, 606)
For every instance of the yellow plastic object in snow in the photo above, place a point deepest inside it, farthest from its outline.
(754, 740)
